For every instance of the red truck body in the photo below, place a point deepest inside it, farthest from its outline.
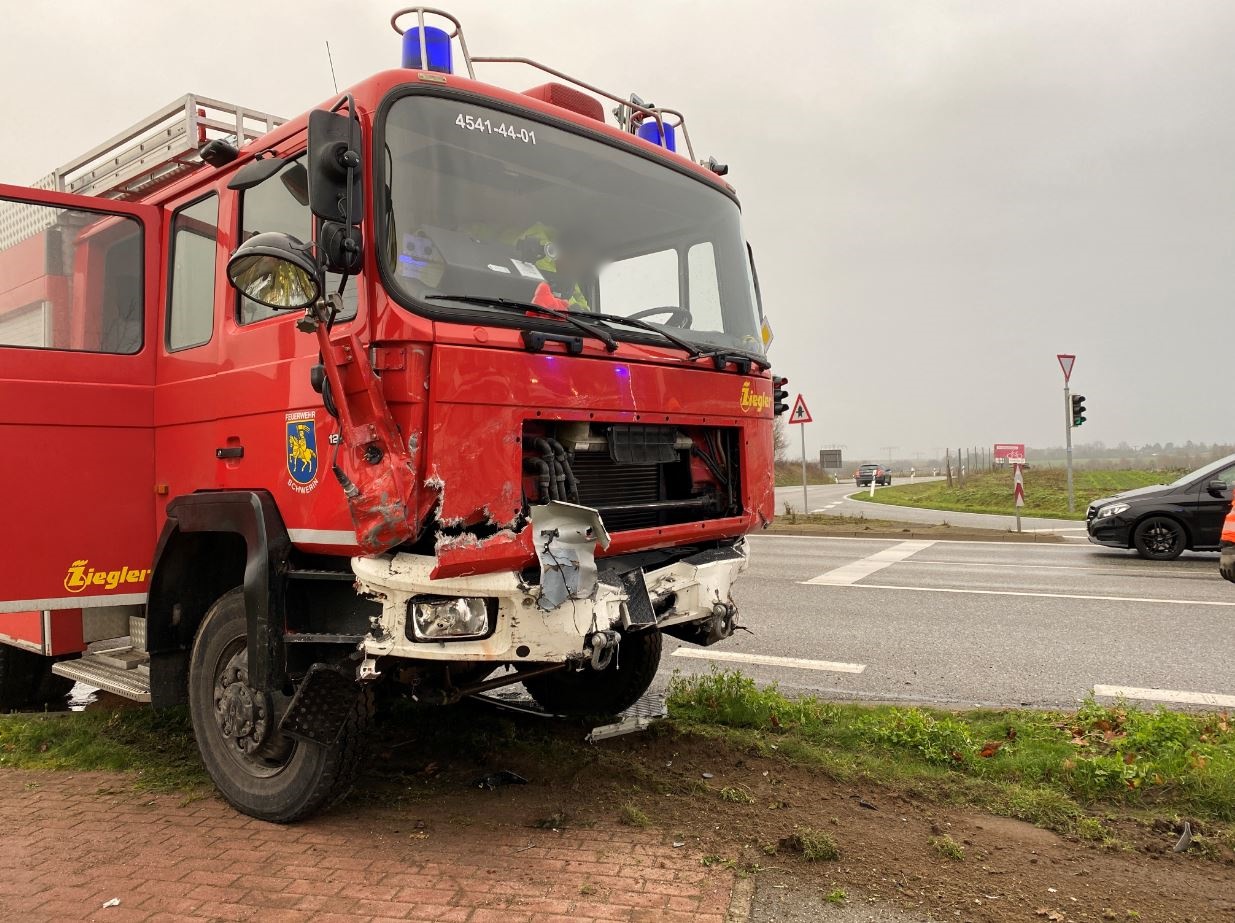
(108, 421)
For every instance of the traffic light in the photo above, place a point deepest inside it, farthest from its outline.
(779, 395)
(1078, 409)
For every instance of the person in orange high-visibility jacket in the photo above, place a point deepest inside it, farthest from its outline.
(1226, 565)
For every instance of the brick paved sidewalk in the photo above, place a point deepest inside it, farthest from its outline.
(70, 842)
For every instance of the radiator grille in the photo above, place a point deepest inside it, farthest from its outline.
(603, 482)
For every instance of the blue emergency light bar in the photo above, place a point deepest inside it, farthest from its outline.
(437, 50)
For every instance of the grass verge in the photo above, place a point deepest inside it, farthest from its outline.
(157, 746)
(1044, 767)
(1046, 492)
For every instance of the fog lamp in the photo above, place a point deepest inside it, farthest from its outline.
(445, 618)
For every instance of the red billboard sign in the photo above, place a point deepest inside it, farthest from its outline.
(1009, 452)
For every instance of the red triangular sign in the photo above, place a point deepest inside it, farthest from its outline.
(1066, 362)
(800, 414)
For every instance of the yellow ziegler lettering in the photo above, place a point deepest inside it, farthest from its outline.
(80, 575)
(752, 401)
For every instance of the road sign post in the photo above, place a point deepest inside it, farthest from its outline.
(1018, 492)
(1066, 361)
(801, 415)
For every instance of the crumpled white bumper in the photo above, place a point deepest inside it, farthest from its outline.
(524, 632)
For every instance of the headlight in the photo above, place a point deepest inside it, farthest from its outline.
(1111, 509)
(437, 618)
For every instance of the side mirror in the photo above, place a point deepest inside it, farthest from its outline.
(1217, 488)
(336, 195)
(277, 271)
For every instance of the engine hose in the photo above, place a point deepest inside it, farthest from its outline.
(563, 459)
(543, 476)
(542, 446)
(559, 478)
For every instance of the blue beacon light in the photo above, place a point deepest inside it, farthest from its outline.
(649, 130)
(437, 49)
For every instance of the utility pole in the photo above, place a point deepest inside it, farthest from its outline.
(889, 449)
(1066, 361)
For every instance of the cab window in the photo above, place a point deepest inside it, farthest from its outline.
(281, 203)
(190, 308)
(70, 280)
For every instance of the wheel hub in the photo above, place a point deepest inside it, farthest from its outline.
(242, 713)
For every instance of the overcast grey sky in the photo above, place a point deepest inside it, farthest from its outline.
(941, 195)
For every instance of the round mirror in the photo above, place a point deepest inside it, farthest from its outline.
(276, 270)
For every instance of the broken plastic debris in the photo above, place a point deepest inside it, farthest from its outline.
(678, 844)
(707, 775)
(501, 777)
(114, 902)
(1185, 839)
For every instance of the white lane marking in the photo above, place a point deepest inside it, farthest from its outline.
(1114, 599)
(1212, 699)
(848, 574)
(766, 660)
(777, 536)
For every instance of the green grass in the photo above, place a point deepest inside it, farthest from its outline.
(157, 746)
(1046, 768)
(948, 848)
(1046, 493)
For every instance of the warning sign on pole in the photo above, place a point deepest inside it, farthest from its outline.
(800, 414)
(1018, 489)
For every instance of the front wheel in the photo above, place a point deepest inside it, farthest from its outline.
(260, 771)
(1159, 538)
(602, 692)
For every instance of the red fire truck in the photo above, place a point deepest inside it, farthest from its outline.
(439, 384)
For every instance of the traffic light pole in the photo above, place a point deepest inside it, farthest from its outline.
(1067, 412)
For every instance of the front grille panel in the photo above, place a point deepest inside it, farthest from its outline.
(637, 477)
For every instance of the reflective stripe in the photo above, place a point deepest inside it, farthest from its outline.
(322, 537)
(73, 602)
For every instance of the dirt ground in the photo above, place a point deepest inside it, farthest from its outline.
(1010, 870)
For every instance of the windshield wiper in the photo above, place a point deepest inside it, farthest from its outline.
(522, 307)
(739, 357)
(690, 348)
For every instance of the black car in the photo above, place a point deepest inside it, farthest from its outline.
(1163, 521)
(864, 475)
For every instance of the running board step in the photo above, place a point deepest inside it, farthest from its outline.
(94, 671)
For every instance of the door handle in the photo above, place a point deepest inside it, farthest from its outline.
(231, 451)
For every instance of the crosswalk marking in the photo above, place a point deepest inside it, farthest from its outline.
(851, 573)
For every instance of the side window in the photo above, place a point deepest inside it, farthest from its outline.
(704, 287)
(190, 307)
(649, 280)
(1226, 476)
(281, 203)
(70, 280)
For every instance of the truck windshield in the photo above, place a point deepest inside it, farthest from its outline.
(486, 204)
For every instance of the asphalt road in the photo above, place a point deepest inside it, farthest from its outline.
(833, 499)
(978, 623)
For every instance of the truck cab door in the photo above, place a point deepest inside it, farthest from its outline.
(78, 278)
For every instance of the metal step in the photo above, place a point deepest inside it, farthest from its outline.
(93, 670)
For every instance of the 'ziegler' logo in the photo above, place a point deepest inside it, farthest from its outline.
(81, 575)
(752, 401)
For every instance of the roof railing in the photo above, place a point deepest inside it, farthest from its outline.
(629, 105)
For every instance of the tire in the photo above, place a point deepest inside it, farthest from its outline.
(602, 692)
(289, 779)
(26, 680)
(1159, 538)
